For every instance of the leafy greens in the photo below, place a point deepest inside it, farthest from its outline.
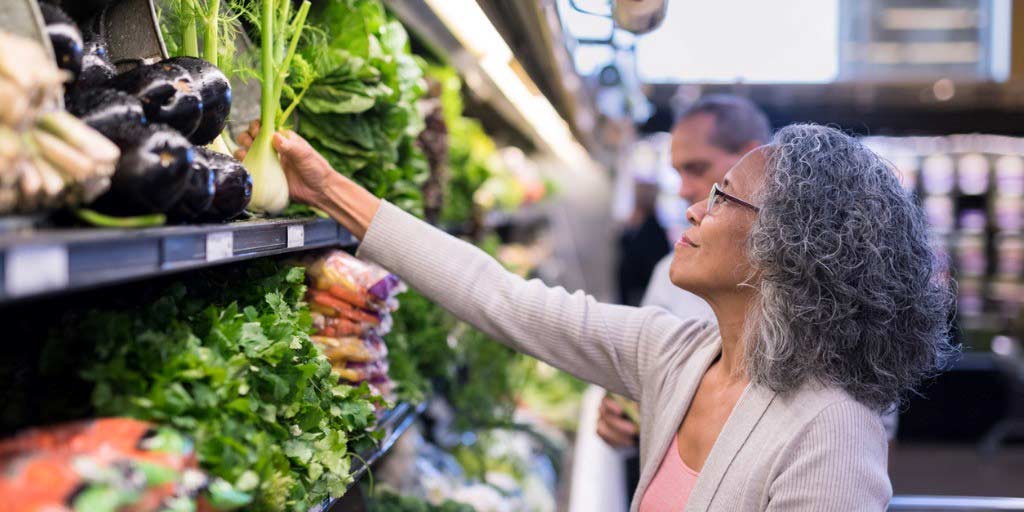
(360, 111)
(227, 359)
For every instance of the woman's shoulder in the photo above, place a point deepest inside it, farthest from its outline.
(815, 405)
(666, 335)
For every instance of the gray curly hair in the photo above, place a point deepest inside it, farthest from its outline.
(851, 293)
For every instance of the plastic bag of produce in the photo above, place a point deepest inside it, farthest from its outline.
(352, 349)
(356, 372)
(351, 280)
(107, 464)
(337, 327)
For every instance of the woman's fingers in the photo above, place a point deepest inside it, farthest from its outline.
(244, 139)
(613, 427)
(609, 405)
(624, 426)
(240, 154)
(612, 436)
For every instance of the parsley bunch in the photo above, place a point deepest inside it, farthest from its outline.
(227, 359)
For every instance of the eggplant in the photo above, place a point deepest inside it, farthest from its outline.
(153, 172)
(97, 69)
(215, 91)
(167, 93)
(198, 194)
(106, 110)
(65, 38)
(233, 184)
(81, 9)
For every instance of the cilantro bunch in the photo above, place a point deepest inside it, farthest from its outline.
(227, 359)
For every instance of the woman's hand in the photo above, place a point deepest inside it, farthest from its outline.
(613, 426)
(307, 171)
(312, 180)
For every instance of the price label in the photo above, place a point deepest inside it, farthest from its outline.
(35, 269)
(296, 236)
(220, 246)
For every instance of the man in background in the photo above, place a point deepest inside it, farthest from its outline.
(707, 140)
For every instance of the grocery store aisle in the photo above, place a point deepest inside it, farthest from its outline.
(583, 234)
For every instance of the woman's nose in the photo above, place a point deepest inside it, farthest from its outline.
(695, 213)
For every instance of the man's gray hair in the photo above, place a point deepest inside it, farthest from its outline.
(851, 292)
(738, 121)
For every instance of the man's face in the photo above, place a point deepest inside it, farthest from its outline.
(699, 163)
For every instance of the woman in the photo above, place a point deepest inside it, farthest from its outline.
(829, 308)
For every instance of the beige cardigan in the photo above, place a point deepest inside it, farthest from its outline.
(813, 449)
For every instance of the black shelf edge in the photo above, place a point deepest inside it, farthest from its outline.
(54, 261)
(395, 422)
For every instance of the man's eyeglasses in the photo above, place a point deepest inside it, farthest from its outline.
(717, 196)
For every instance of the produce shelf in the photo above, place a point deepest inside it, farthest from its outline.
(47, 262)
(394, 424)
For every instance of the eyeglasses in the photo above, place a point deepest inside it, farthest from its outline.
(717, 196)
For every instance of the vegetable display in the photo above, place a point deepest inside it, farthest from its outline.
(232, 186)
(183, 22)
(280, 29)
(108, 464)
(433, 141)
(429, 350)
(65, 38)
(134, 155)
(215, 94)
(352, 301)
(48, 159)
(471, 151)
(153, 172)
(167, 92)
(227, 358)
(360, 109)
(96, 65)
(388, 501)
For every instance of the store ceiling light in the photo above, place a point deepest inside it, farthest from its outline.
(470, 25)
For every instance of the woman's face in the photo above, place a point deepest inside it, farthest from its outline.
(711, 257)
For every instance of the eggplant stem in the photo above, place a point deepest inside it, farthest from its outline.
(141, 221)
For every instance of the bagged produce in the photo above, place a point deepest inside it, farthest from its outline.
(107, 464)
(361, 284)
(351, 349)
(352, 301)
(358, 359)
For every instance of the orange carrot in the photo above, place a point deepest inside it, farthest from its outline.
(355, 298)
(323, 310)
(343, 309)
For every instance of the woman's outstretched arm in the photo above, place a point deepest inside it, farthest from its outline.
(605, 344)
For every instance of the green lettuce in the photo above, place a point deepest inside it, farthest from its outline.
(360, 111)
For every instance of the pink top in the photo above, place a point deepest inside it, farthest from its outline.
(671, 486)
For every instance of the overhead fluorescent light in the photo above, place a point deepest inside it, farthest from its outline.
(470, 25)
